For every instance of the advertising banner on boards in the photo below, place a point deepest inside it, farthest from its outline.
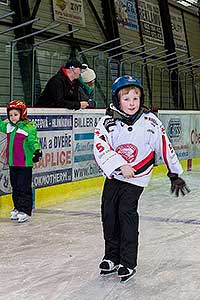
(66, 139)
(84, 165)
(183, 130)
(55, 136)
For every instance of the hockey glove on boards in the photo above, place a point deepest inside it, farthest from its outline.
(37, 155)
(178, 185)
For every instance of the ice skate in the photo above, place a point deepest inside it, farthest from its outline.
(22, 217)
(107, 267)
(14, 214)
(125, 274)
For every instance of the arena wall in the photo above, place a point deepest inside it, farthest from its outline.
(68, 170)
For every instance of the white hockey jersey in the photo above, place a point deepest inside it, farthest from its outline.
(135, 145)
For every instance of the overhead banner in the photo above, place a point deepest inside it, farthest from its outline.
(178, 30)
(152, 26)
(126, 14)
(150, 21)
(69, 12)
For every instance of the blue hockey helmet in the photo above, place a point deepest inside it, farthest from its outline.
(125, 81)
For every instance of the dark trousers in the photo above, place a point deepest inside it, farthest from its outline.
(21, 182)
(120, 221)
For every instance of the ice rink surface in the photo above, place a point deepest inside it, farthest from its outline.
(55, 256)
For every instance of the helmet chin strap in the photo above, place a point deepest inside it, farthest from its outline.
(121, 116)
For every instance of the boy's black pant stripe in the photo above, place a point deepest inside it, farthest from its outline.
(120, 221)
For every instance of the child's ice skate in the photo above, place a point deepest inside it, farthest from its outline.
(14, 214)
(107, 267)
(125, 274)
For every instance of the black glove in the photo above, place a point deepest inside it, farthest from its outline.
(178, 184)
(37, 155)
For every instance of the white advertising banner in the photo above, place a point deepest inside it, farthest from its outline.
(55, 136)
(178, 30)
(150, 21)
(152, 26)
(66, 139)
(69, 12)
(126, 14)
(183, 130)
(84, 165)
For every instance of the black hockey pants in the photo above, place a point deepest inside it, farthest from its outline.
(21, 181)
(120, 221)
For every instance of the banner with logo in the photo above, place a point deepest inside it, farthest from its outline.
(69, 12)
(152, 26)
(183, 130)
(150, 21)
(126, 14)
(84, 165)
(66, 139)
(55, 136)
(178, 30)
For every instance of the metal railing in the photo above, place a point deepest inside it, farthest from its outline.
(161, 67)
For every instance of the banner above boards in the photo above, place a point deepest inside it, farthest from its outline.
(126, 14)
(152, 26)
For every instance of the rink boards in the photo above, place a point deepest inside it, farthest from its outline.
(68, 171)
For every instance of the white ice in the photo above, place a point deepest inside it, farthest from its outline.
(56, 255)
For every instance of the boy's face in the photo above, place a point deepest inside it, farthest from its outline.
(130, 102)
(14, 115)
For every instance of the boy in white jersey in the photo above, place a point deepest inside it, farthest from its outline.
(125, 143)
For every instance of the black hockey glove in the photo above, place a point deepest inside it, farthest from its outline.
(37, 156)
(178, 184)
(92, 103)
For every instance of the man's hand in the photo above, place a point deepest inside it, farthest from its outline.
(178, 185)
(127, 171)
(84, 104)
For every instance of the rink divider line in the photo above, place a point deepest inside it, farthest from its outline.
(98, 215)
(52, 195)
(171, 220)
